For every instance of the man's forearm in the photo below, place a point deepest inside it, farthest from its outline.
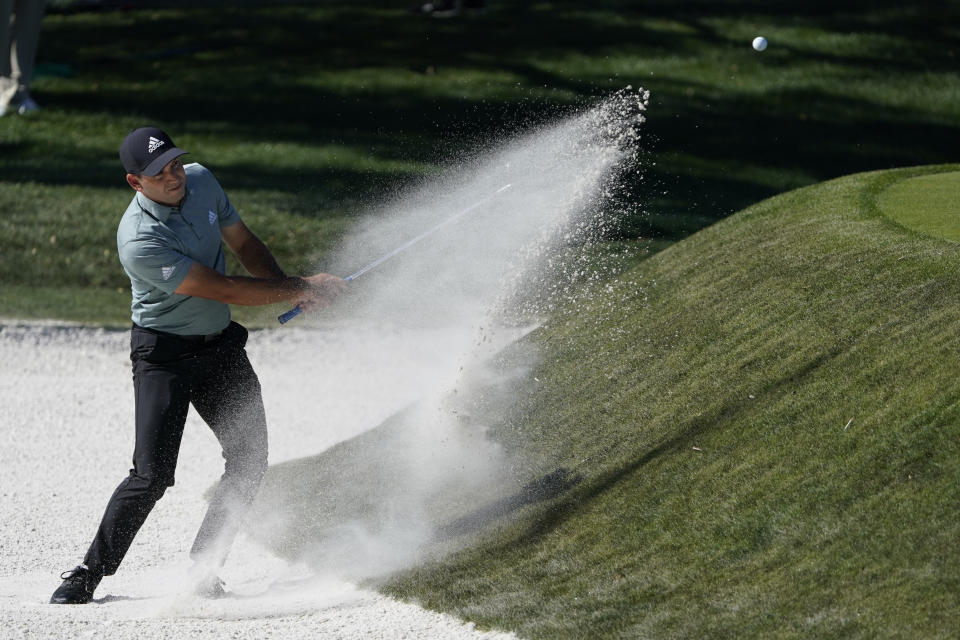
(203, 282)
(257, 259)
(251, 291)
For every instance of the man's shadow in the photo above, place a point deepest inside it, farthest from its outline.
(361, 489)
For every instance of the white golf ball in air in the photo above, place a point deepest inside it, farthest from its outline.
(759, 43)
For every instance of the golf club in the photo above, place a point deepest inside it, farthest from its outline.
(294, 312)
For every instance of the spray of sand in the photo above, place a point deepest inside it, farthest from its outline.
(376, 504)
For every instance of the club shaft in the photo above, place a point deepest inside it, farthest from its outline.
(294, 312)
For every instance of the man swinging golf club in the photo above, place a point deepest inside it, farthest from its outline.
(186, 350)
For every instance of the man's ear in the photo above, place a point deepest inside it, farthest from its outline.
(134, 182)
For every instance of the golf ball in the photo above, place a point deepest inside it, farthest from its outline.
(759, 43)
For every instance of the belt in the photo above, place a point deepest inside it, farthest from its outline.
(194, 339)
(210, 337)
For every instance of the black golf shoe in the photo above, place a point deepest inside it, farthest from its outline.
(77, 588)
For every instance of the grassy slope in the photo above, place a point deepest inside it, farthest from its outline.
(766, 420)
(308, 112)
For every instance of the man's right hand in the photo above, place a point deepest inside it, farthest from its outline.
(321, 289)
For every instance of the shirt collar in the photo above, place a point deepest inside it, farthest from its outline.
(161, 211)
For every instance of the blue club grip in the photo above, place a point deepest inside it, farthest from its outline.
(289, 315)
(293, 313)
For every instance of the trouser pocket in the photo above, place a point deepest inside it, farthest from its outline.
(235, 336)
(155, 348)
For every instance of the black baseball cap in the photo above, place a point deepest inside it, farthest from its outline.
(147, 150)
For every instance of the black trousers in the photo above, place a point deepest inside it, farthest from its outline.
(170, 373)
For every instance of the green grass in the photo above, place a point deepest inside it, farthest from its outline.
(927, 204)
(309, 112)
(759, 427)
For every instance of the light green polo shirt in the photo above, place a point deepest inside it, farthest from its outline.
(158, 244)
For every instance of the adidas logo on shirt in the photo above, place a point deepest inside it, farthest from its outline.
(167, 272)
(154, 144)
(211, 216)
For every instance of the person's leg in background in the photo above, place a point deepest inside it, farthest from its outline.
(20, 22)
(8, 86)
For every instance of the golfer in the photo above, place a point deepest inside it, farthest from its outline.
(185, 349)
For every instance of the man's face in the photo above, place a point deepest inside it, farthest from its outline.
(167, 187)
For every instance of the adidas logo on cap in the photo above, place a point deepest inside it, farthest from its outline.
(154, 144)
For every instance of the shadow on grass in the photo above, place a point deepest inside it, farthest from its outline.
(428, 91)
(365, 487)
(551, 516)
(359, 486)
(544, 488)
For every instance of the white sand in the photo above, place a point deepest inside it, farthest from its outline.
(66, 439)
